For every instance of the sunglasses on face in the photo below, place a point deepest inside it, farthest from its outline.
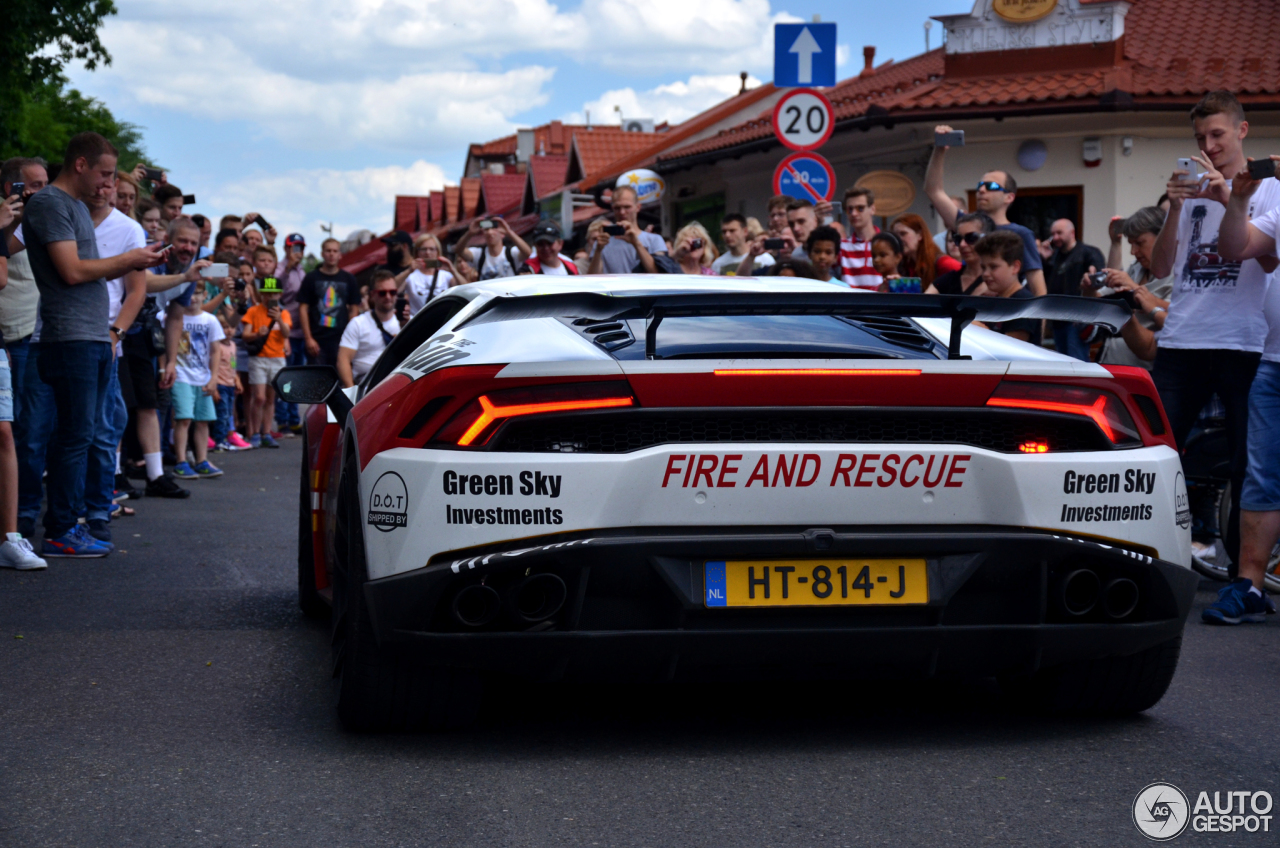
(990, 185)
(968, 238)
(386, 293)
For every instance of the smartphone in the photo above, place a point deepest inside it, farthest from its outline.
(694, 244)
(1259, 169)
(188, 199)
(774, 244)
(955, 138)
(431, 263)
(164, 251)
(401, 303)
(217, 270)
(615, 230)
(486, 224)
(1188, 165)
(153, 174)
(260, 221)
(17, 189)
(905, 285)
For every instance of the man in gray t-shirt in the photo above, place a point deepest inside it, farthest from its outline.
(621, 254)
(76, 341)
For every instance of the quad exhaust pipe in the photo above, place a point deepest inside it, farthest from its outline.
(537, 597)
(477, 605)
(1082, 591)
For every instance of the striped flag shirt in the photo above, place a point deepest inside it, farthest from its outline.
(855, 264)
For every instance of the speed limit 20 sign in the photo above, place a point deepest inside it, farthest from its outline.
(803, 119)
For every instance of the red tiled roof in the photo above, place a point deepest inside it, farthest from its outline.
(406, 212)
(500, 191)
(850, 99)
(673, 137)
(1160, 59)
(595, 150)
(470, 197)
(552, 139)
(451, 212)
(437, 207)
(547, 173)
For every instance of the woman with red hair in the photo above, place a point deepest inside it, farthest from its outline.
(922, 258)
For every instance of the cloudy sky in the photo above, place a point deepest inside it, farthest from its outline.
(319, 111)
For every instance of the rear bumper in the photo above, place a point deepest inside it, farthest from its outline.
(634, 607)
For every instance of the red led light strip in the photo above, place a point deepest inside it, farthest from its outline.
(1094, 410)
(817, 372)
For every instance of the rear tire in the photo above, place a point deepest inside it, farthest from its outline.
(309, 599)
(1107, 686)
(379, 689)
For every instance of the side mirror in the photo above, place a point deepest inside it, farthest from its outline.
(311, 384)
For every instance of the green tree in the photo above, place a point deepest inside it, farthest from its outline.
(38, 39)
(47, 117)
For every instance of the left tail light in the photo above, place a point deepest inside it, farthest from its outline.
(476, 422)
(1104, 408)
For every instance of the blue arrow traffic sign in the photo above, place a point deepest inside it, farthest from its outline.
(804, 55)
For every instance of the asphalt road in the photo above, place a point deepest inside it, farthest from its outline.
(172, 694)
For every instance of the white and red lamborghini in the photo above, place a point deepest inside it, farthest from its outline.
(681, 478)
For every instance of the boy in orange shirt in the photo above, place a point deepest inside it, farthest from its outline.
(266, 336)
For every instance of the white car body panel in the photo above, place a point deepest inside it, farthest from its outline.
(601, 491)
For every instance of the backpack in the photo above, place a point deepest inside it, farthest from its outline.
(484, 255)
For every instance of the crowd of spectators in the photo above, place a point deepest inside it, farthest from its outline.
(134, 350)
(130, 342)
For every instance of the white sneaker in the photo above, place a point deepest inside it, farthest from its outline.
(20, 555)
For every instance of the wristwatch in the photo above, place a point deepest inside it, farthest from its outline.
(119, 332)
(1153, 310)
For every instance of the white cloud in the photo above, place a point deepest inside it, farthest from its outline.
(303, 200)
(674, 102)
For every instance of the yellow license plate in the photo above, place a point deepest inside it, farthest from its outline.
(816, 583)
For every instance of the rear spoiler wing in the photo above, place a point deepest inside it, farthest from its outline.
(961, 310)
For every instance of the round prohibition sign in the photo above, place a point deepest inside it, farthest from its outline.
(807, 176)
(803, 119)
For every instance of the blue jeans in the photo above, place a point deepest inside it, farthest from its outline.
(77, 372)
(100, 482)
(220, 429)
(1261, 490)
(287, 413)
(34, 417)
(1066, 339)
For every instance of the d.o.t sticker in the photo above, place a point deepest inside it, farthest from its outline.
(389, 503)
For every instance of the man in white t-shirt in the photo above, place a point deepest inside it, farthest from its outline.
(627, 251)
(733, 229)
(116, 233)
(1213, 336)
(369, 334)
(1242, 240)
(547, 258)
(495, 258)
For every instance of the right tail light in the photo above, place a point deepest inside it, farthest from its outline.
(1104, 408)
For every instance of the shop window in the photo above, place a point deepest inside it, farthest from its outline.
(707, 211)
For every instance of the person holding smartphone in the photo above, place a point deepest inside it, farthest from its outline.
(627, 249)
(496, 258)
(430, 275)
(290, 276)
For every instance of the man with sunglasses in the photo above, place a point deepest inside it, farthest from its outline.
(369, 333)
(996, 192)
